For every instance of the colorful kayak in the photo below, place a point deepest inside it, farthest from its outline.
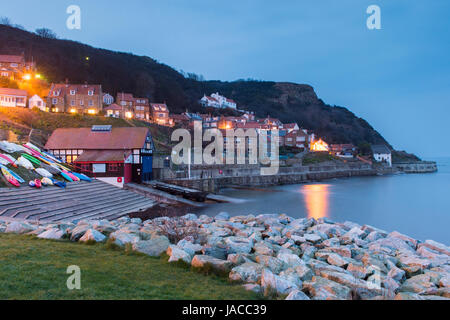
(6, 173)
(50, 156)
(31, 158)
(60, 184)
(46, 182)
(44, 173)
(50, 168)
(8, 158)
(66, 176)
(15, 175)
(32, 146)
(82, 177)
(25, 163)
(72, 176)
(36, 183)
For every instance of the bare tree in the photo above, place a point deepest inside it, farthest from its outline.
(5, 21)
(46, 33)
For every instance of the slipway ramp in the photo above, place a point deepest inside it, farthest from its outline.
(80, 200)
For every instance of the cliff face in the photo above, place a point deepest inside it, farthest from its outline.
(62, 59)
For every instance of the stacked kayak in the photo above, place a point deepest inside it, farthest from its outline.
(9, 177)
(45, 169)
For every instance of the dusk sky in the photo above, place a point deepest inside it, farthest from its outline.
(397, 78)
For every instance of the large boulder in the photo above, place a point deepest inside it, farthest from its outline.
(271, 283)
(53, 233)
(122, 238)
(92, 235)
(436, 246)
(247, 272)
(263, 248)
(19, 227)
(238, 245)
(274, 264)
(176, 253)
(206, 262)
(218, 250)
(79, 231)
(323, 289)
(189, 247)
(418, 284)
(297, 295)
(153, 247)
(291, 260)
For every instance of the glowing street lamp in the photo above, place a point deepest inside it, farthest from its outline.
(27, 77)
(37, 76)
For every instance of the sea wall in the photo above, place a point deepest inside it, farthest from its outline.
(285, 176)
(417, 167)
(276, 255)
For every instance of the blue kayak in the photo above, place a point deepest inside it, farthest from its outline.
(65, 176)
(61, 184)
(82, 177)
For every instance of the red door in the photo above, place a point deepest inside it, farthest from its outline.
(128, 173)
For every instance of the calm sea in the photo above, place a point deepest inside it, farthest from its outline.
(414, 204)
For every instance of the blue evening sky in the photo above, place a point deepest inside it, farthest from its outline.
(397, 78)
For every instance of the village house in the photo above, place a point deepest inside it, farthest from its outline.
(108, 99)
(13, 98)
(180, 120)
(126, 101)
(115, 111)
(343, 150)
(273, 122)
(218, 101)
(142, 109)
(289, 127)
(15, 66)
(114, 155)
(297, 139)
(249, 116)
(208, 101)
(209, 121)
(75, 98)
(160, 114)
(381, 153)
(37, 102)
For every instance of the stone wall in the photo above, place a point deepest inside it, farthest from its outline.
(417, 167)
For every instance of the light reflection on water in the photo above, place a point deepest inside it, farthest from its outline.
(316, 197)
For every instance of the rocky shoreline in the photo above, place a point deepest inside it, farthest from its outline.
(276, 255)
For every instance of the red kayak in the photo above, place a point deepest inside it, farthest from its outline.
(37, 183)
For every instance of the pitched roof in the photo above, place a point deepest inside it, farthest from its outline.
(380, 149)
(289, 125)
(11, 58)
(113, 106)
(65, 88)
(159, 107)
(85, 139)
(13, 92)
(103, 156)
(125, 96)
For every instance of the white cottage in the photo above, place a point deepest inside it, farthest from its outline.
(381, 153)
(36, 101)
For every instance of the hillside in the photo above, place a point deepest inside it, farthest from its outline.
(143, 76)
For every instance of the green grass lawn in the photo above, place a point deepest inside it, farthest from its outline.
(32, 268)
